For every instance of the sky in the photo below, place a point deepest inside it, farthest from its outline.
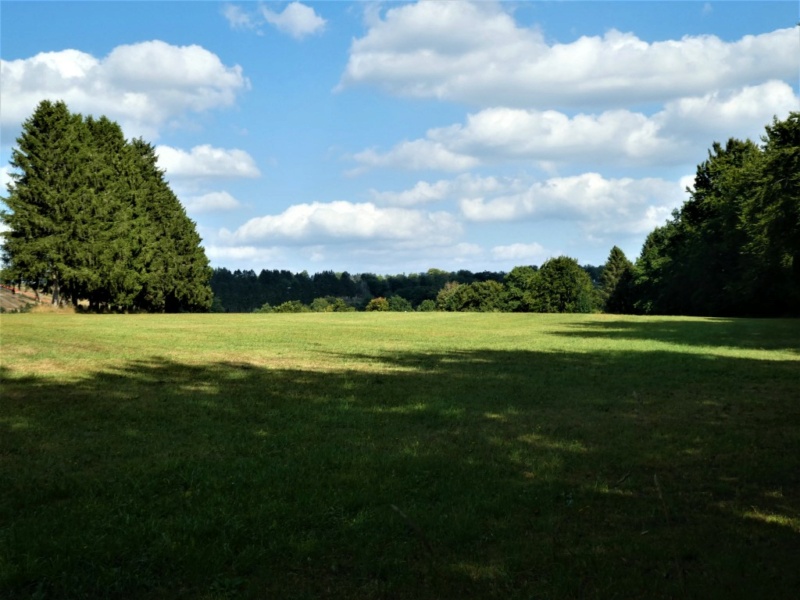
(393, 137)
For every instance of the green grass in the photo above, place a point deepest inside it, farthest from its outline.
(399, 456)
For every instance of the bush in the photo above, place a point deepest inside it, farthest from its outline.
(399, 304)
(293, 306)
(378, 304)
(427, 305)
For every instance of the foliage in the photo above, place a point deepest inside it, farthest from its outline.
(478, 296)
(427, 305)
(616, 290)
(562, 286)
(520, 284)
(330, 304)
(292, 306)
(734, 247)
(379, 304)
(91, 217)
(446, 299)
(245, 291)
(399, 304)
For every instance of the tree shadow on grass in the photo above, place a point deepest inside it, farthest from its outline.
(744, 334)
(467, 474)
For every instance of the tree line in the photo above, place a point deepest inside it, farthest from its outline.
(560, 285)
(732, 249)
(91, 218)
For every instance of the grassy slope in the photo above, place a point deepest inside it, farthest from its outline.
(398, 456)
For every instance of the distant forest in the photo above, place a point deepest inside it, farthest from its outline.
(732, 249)
(277, 290)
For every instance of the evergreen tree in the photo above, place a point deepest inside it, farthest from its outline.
(45, 199)
(616, 280)
(111, 276)
(169, 252)
(91, 218)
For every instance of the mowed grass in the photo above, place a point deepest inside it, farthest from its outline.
(399, 456)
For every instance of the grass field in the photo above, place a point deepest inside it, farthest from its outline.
(369, 455)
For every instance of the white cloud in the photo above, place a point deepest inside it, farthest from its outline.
(252, 254)
(522, 253)
(237, 17)
(509, 133)
(346, 221)
(415, 155)
(611, 137)
(476, 53)
(143, 86)
(298, 20)
(206, 161)
(601, 206)
(211, 202)
(737, 113)
(463, 186)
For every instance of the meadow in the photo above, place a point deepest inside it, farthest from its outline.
(393, 455)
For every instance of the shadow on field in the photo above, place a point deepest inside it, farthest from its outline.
(461, 475)
(746, 334)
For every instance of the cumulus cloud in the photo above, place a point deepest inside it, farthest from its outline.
(731, 113)
(251, 254)
(206, 161)
(298, 20)
(415, 155)
(238, 18)
(477, 53)
(522, 253)
(345, 221)
(601, 206)
(611, 137)
(423, 192)
(142, 86)
(211, 202)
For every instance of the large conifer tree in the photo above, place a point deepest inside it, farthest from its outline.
(616, 280)
(91, 217)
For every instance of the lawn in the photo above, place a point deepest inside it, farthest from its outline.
(368, 455)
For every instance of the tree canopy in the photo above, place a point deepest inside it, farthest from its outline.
(91, 217)
(733, 248)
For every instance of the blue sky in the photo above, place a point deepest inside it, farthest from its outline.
(394, 137)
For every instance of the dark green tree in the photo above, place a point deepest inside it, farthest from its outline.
(399, 304)
(447, 298)
(616, 283)
(519, 284)
(168, 246)
(733, 249)
(562, 286)
(47, 194)
(772, 224)
(91, 217)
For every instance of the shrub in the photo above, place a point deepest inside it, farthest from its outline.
(378, 304)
